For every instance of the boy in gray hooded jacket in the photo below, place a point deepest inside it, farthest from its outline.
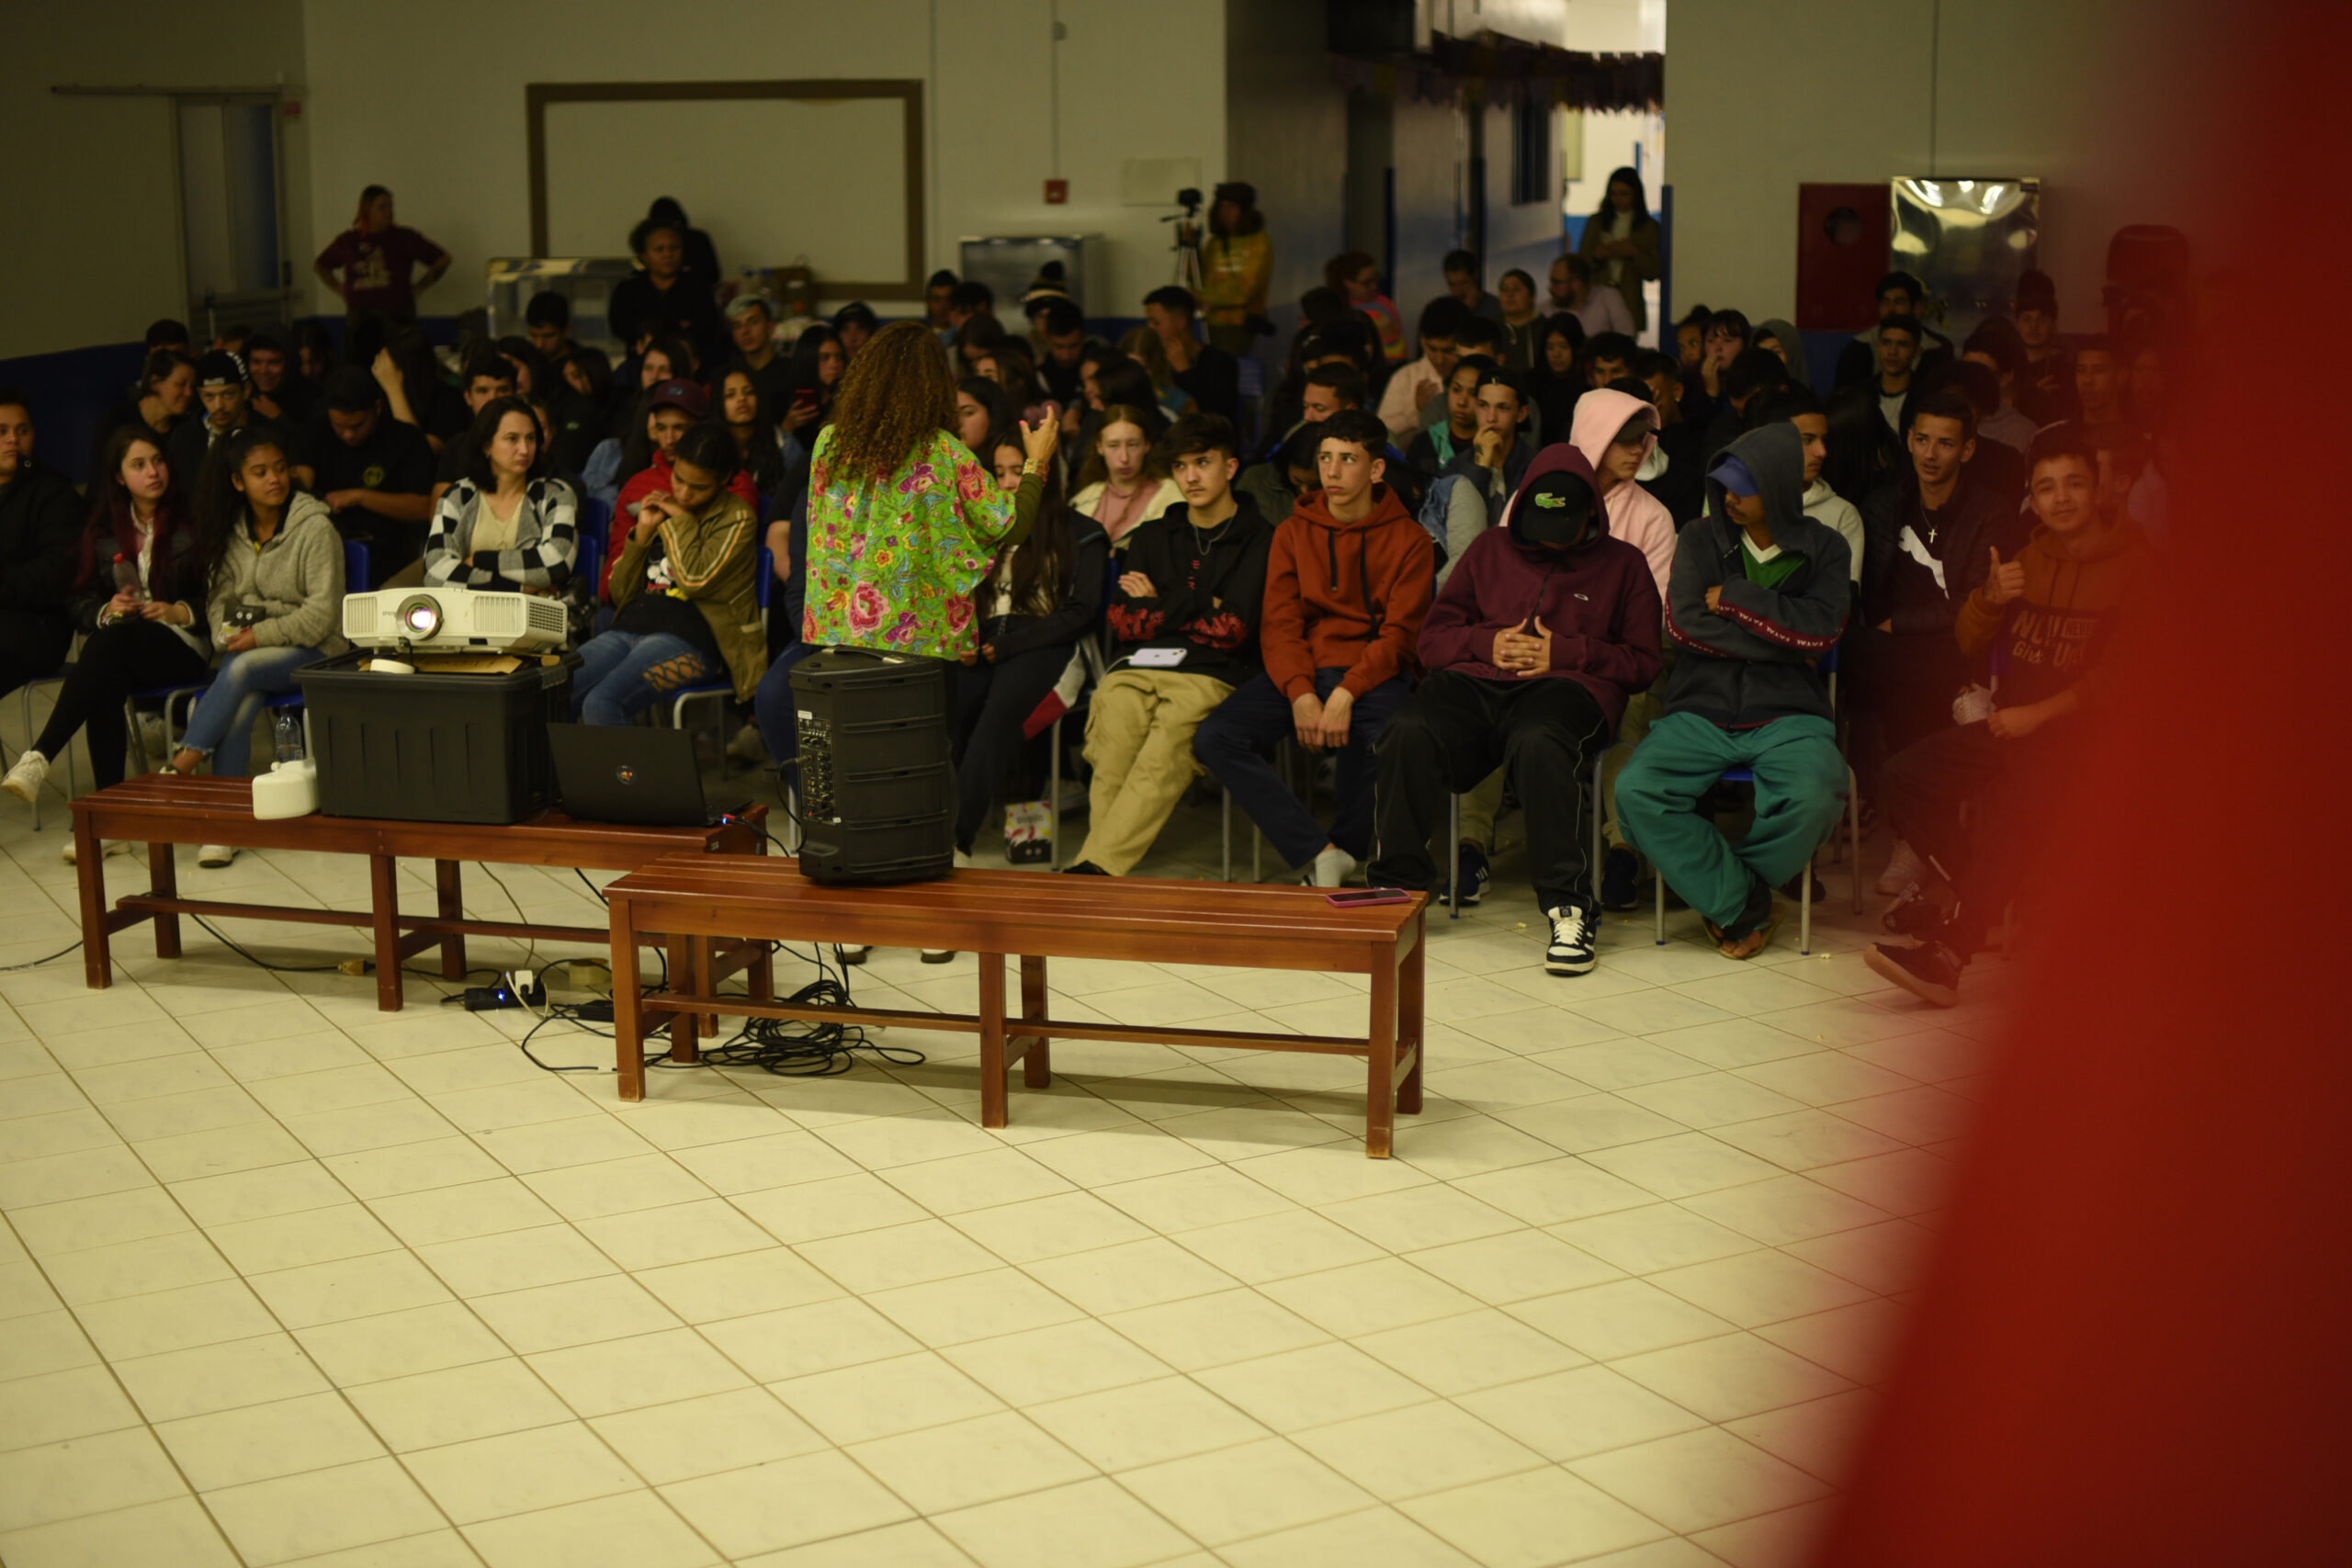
(1760, 593)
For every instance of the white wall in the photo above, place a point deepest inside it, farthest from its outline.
(427, 98)
(94, 250)
(1286, 131)
(1765, 95)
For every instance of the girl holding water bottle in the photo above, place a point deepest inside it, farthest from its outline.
(275, 566)
(138, 593)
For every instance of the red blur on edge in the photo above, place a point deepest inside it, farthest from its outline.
(2130, 1347)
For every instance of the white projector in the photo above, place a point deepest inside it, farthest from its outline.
(453, 620)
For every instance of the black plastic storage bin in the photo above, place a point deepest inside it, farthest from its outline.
(433, 747)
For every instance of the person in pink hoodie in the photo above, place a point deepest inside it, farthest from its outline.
(1616, 432)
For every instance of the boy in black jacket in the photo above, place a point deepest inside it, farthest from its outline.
(1759, 593)
(1184, 620)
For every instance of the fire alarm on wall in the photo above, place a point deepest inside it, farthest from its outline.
(1057, 193)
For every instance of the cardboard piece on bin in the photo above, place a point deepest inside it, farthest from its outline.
(461, 663)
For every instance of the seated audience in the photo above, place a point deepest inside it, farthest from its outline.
(1782, 337)
(660, 358)
(1063, 327)
(275, 600)
(1900, 295)
(2047, 616)
(1753, 374)
(1798, 406)
(1599, 310)
(1203, 372)
(1357, 277)
(1677, 471)
(1760, 593)
(2045, 390)
(817, 362)
(485, 377)
(1432, 451)
(1498, 454)
(1183, 622)
(674, 409)
(682, 590)
(39, 526)
(1545, 627)
(1703, 387)
(854, 324)
(661, 297)
(1555, 378)
(936, 291)
(702, 256)
(1277, 485)
(281, 393)
(139, 596)
(1690, 338)
(2100, 377)
(1415, 384)
(1348, 581)
(1996, 346)
(751, 321)
(167, 333)
(759, 445)
(1465, 283)
(373, 471)
(226, 397)
(378, 259)
(157, 402)
(1927, 530)
(1122, 485)
(1142, 347)
(1521, 325)
(314, 353)
(414, 393)
(1897, 347)
(981, 408)
(505, 525)
(1043, 594)
(547, 321)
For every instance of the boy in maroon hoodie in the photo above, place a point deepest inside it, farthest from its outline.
(1547, 626)
(1348, 581)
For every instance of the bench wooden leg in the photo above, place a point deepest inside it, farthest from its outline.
(994, 1110)
(629, 1034)
(763, 975)
(163, 880)
(384, 902)
(451, 893)
(1409, 1035)
(685, 975)
(90, 880)
(1380, 1077)
(1037, 1068)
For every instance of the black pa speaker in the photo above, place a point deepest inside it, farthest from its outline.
(878, 783)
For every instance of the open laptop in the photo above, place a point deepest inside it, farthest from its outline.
(625, 772)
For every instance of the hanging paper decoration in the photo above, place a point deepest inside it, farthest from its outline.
(1495, 68)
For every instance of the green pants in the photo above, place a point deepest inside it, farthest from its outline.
(1800, 793)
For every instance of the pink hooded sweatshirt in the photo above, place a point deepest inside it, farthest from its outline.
(1635, 514)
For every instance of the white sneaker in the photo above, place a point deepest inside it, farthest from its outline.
(110, 846)
(963, 863)
(1903, 869)
(155, 737)
(1570, 952)
(216, 854)
(851, 955)
(23, 780)
(1333, 866)
(939, 955)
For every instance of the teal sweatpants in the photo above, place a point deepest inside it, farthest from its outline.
(1800, 794)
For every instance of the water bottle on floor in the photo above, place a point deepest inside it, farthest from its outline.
(286, 738)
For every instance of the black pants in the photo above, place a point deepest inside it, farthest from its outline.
(1928, 783)
(1544, 732)
(117, 661)
(987, 704)
(1897, 689)
(31, 647)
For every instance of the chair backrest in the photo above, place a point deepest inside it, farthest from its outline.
(587, 554)
(766, 566)
(355, 568)
(594, 517)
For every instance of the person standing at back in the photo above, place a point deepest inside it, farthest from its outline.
(1621, 243)
(379, 259)
(1237, 264)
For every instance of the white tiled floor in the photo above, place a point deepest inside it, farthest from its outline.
(291, 1281)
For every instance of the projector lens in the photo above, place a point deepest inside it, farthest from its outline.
(420, 616)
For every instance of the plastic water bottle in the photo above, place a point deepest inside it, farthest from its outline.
(286, 738)
(126, 577)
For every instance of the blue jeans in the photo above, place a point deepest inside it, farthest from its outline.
(1237, 743)
(222, 725)
(622, 673)
(772, 708)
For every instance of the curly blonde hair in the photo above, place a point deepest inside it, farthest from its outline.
(894, 395)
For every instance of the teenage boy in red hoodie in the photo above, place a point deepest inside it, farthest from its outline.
(1547, 626)
(2047, 616)
(1348, 583)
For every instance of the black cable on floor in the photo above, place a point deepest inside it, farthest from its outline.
(35, 963)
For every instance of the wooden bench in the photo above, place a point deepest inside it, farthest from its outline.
(706, 899)
(164, 809)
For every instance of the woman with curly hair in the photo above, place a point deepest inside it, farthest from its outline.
(904, 521)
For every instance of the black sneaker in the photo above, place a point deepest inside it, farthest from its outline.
(1475, 877)
(1618, 874)
(1912, 915)
(1083, 868)
(1929, 971)
(1573, 929)
(1793, 889)
(1754, 913)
